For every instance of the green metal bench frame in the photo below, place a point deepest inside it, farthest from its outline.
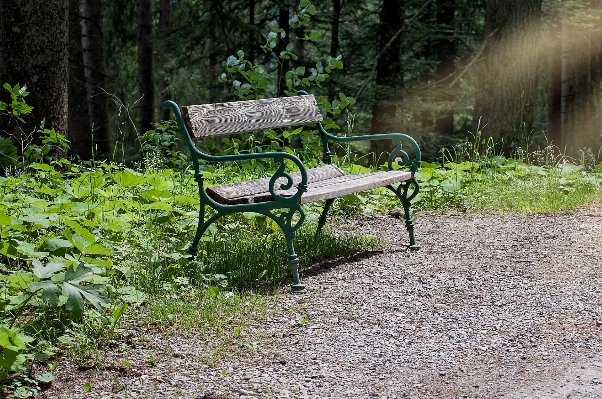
(286, 190)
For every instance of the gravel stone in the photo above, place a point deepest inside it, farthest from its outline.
(491, 306)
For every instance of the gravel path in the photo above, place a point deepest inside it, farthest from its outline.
(491, 306)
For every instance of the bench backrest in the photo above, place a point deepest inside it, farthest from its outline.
(245, 116)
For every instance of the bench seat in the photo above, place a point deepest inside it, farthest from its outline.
(325, 182)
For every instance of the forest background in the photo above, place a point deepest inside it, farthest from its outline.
(522, 72)
(97, 203)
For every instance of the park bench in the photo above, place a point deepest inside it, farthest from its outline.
(282, 195)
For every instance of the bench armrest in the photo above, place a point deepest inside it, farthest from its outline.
(398, 155)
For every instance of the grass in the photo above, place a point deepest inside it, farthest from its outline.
(534, 195)
(259, 259)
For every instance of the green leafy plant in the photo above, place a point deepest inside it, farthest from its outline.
(15, 110)
(250, 80)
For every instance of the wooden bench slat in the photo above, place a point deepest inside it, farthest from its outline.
(324, 183)
(352, 184)
(257, 190)
(245, 116)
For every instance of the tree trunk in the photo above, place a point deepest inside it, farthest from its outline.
(80, 134)
(389, 76)
(554, 95)
(165, 25)
(34, 52)
(252, 29)
(214, 67)
(508, 71)
(284, 16)
(334, 28)
(581, 88)
(94, 61)
(446, 55)
(146, 88)
(335, 45)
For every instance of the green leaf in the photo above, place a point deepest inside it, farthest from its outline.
(8, 152)
(81, 274)
(79, 229)
(87, 387)
(76, 292)
(39, 219)
(46, 377)
(47, 271)
(94, 293)
(128, 178)
(55, 244)
(83, 207)
(5, 220)
(75, 303)
(130, 294)
(50, 291)
(450, 185)
(29, 249)
(424, 174)
(11, 360)
(424, 164)
(96, 249)
(154, 195)
(161, 206)
(9, 339)
(42, 166)
(462, 166)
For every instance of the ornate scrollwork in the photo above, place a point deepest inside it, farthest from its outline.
(285, 220)
(415, 189)
(398, 155)
(280, 173)
(403, 189)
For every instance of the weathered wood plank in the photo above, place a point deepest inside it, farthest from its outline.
(258, 190)
(245, 116)
(324, 183)
(352, 184)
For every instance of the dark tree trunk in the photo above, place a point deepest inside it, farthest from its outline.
(581, 48)
(34, 38)
(508, 71)
(94, 61)
(446, 55)
(389, 76)
(165, 25)
(80, 133)
(284, 16)
(554, 96)
(146, 88)
(215, 91)
(335, 24)
(252, 29)
(334, 28)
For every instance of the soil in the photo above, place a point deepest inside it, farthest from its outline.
(490, 306)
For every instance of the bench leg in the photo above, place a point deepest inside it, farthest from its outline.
(410, 225)
(406, 202)
(200, 230)
(322, 219)
(293, 264)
